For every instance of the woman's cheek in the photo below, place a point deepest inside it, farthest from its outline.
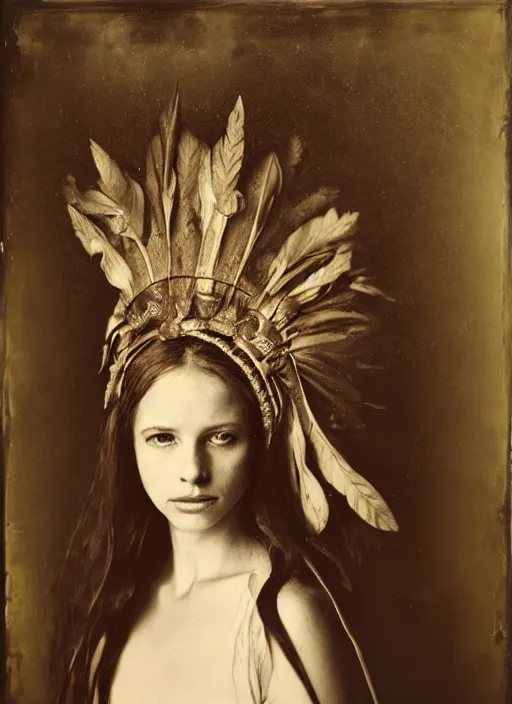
(239, 471)
(151, 464)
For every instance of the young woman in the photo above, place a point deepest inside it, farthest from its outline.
(201, 561)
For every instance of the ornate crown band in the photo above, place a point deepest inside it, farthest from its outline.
(284, 314)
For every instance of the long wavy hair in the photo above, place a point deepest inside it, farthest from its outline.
(122, 543)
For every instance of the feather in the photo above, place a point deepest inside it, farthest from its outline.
(250, 226)
(330, 377)
(310, 206)
(94, 242)
(191, 152)
(362, 497)
(122, 360)
(339, 301)
(128, 196)
(182, 293)
(290, 214)
(318, 339)
(360, 494)
(159, 245)
(226, 161)
(117, 317)
(312, 496)
(334, 355)
(270, 187)
(335, 390)
(343, 352)
(279, 310)
(315, 261)
(119, 338)
(327, 274)
(227, 158)
(123, 190)
(114, 324)
(275, 224)
(313, 322)
(159, 173)
(317, 235)
(277, 307)
(206, 195)
(91, 202)
(167, 203)
(287, 309)
(119, 206)
(191, 157)
(361, 285)
(278, 303)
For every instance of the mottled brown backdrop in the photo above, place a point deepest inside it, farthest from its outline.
(403, 109)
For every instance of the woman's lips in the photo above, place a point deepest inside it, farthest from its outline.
(194, 504)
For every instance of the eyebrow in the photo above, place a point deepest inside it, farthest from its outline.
(210, 428)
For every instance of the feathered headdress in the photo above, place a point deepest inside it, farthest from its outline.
(196, 272)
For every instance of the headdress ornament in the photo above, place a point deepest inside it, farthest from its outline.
(184, 257)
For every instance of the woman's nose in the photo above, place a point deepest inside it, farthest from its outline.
(194, 468)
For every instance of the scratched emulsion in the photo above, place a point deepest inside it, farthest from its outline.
(404, 111)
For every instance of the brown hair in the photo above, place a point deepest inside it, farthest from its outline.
(122, 543)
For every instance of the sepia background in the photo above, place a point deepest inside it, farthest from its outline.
(404, 110)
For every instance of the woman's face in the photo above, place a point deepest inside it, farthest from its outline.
(191, 439)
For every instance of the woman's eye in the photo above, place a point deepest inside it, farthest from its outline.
(161, 439)
(222, 438)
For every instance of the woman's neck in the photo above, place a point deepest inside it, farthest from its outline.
(222, 551)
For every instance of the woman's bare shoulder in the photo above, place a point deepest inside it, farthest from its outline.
(297, 601)
(323, 646)
(310, 620)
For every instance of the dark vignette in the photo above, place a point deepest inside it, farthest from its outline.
(10, 17)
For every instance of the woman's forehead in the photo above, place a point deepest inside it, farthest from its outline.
(189, 395)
